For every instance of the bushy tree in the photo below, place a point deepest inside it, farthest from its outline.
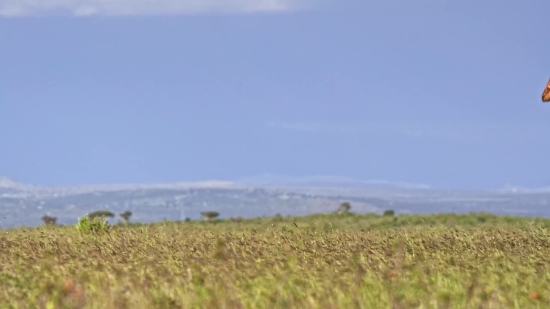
(389, 213)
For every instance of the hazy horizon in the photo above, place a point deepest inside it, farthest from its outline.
(277, 181)
(432, 93)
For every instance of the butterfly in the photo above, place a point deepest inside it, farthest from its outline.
(546, 93)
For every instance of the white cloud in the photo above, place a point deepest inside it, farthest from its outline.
(19, 8)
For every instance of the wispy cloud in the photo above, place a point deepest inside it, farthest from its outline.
(356, 128)
(303, 127)
(471, 131)
(313, 127)
(21, 8)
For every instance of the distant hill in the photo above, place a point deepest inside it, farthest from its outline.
(22, 204)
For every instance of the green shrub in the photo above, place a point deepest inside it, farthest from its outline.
(95, 226)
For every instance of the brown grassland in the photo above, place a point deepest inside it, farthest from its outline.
(318, 261)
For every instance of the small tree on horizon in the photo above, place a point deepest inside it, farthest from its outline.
(48, 220)
(126, 216)
(237, 219)
(210, 215)
(343, 208)
(100, 214)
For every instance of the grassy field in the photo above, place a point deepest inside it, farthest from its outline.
(319, 261)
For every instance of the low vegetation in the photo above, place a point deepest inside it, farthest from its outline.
(319, 261)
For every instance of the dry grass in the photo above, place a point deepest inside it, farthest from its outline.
(321, 261)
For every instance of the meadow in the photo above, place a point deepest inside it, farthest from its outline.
(317, 261)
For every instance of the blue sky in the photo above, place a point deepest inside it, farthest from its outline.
(445, 93)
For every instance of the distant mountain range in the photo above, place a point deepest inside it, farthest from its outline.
(326, 180)
(22, 204)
